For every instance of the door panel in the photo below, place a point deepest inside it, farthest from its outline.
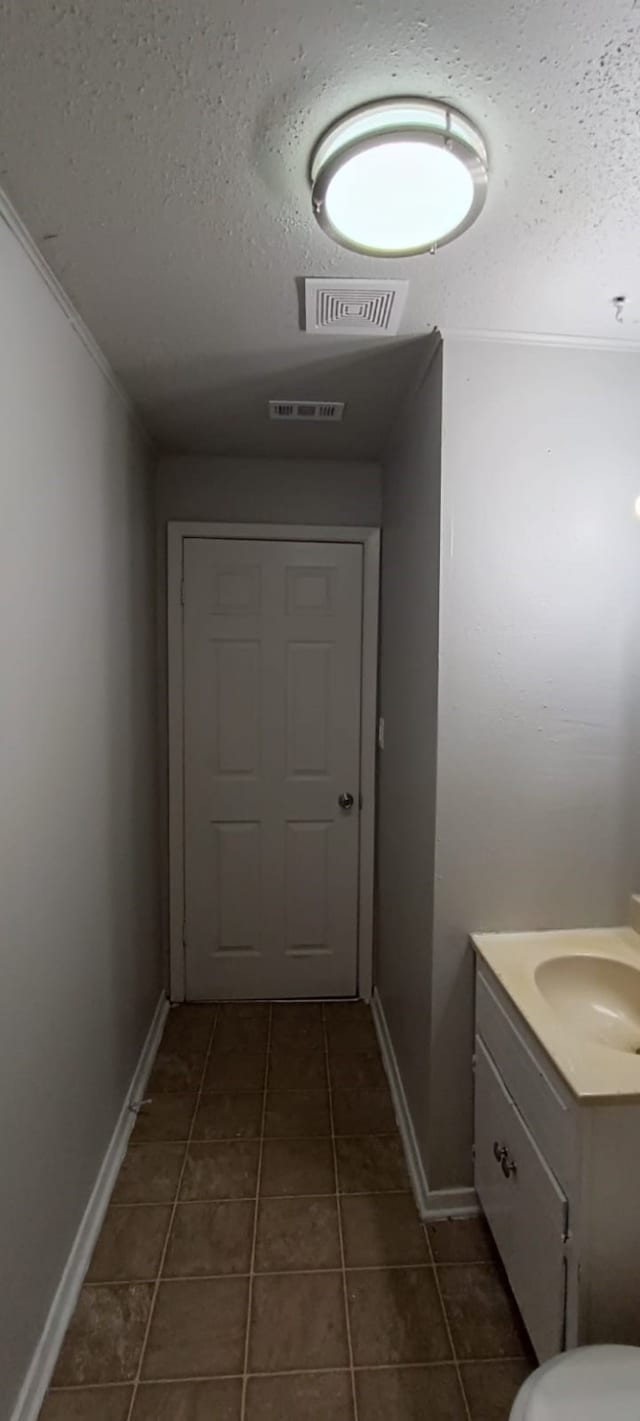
(308, 685)
(236, 716)
(272, 677)
(236, 884)
(307, 888)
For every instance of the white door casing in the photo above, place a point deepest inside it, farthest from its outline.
(276, 876)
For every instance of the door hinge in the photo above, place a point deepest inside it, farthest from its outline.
(182, 592)
(360, 801)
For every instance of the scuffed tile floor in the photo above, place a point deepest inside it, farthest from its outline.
(262, 1258)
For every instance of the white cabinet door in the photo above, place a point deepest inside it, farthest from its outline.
(272, 681)
(524, 1205)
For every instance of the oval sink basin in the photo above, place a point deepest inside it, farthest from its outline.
(597, 997)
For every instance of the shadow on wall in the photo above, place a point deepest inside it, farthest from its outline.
(226, 399)
(132, 868)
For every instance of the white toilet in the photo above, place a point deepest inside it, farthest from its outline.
(588, 1384)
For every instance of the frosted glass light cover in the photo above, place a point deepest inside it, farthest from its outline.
(398, 177)
(399, 196)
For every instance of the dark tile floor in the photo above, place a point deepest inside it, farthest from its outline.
(262, 1258)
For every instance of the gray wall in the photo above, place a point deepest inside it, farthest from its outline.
(78, 862)
(268, 491)
(538, 760)
(229, 490)
(407, 766)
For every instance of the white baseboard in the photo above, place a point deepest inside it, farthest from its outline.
(39, 1374)
(459, 1203)
(432, 1203)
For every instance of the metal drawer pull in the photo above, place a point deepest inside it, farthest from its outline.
(501, 1154)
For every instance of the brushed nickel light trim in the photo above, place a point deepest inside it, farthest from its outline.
(400, 125)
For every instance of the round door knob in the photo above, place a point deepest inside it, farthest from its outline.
(345, 801)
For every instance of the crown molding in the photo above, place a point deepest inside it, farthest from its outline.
(22, 235)
(565, 342)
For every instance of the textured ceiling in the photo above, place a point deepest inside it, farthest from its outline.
(157, 151)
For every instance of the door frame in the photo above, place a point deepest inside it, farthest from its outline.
(369, 539)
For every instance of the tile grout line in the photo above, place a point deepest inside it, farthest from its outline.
(232, 1139)
(304, 1194)
(174, 1206)
(284, 1272)
(256, 1211)
(293, 1372)
(381, 1267)
(447, 1324)
(264, 1272)
(173, 1203)
(345, 1292)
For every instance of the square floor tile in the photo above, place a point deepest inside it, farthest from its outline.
(227, 1170)
(149, 1174)
(363, 1112)
(244, 1011)
(236, 1069)
(461, 1241)
(294, 1067)
(297, 1167)
(396, 1317)
(108, 1403)
(300, 1012)
(409, 1393)
(210, 1238)
(370, 1164)
(297, 1233)
(308, 1396)
(188, 1026)
(482, 1315)
(167, 1117)
(347, 1011)
(130, 1243)
(177, 1069)
(350, 1028)
(236, 1115)
(297, 1113)
(356, 1069)
(298, 1024)
(382, 1228)
(189, 1401)
(297, 1323)
(105, 1336)
(241, 1033)
(198, 1329)
(491, 1387)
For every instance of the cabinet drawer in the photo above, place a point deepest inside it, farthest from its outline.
(526, 1209)
(539, 1094)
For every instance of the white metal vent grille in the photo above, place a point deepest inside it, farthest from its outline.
(327, 410)
(348, 308)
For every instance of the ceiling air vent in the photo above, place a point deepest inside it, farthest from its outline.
(354, 308)
(331, 411)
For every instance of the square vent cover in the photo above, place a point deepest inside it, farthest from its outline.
(354, 308)
(331, 411)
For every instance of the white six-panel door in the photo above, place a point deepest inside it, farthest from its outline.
(272, 685)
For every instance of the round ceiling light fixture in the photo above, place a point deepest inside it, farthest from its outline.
(399, 177)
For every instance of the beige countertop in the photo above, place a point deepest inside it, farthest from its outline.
(568, 1006)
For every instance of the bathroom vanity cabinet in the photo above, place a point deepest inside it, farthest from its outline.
(558, 1178)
